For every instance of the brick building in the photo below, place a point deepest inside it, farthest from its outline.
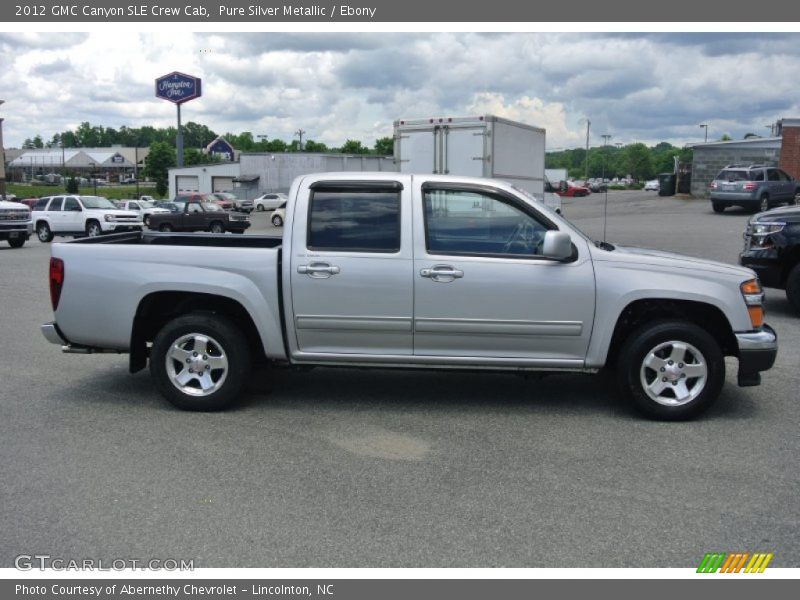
(783, 151)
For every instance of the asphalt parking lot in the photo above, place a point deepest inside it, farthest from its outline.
(348, 468)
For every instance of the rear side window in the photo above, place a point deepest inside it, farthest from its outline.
(41, 204)
(354, 221)
(56, 203)
(773, 175)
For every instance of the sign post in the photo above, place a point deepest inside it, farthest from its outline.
(178, 88)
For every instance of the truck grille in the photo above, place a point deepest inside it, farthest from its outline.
(15, 215)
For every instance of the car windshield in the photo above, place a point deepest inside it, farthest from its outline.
(734, 175)
(211, 207)
(96, 202)
(146, 204)
(225, 196)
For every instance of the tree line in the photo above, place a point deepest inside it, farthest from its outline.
(635, 160)
(195, 135)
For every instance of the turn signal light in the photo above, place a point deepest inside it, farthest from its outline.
(754, 299)
(751, 286)
(756, 316)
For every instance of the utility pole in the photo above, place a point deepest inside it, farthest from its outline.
(606, 137)
(2, 161)
(705, 126)
(300, 133)
(586, 167)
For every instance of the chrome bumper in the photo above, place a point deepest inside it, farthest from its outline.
(766, 339)
(52, 335)
(757, 353)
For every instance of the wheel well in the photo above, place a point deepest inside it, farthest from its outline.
(790, 261)
(40, 221)
(157, 309)
(707, 316)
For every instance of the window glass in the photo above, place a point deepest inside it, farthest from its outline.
(462, 222)
(194, 207)
(773, 175)
(357, 221)
(41, 203)
(55, 205)
(784, 176)
(96, 202)
(71, 204)
(737, 175)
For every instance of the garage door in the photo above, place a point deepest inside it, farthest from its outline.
(221, 184)
(187, 183)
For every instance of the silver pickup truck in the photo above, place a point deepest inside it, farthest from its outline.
(392, 270)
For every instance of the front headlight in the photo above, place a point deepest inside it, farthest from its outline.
(764, 229)
(109, 218)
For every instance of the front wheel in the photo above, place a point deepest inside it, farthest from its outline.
(671, 370)
(200, 361)
(763, 203)
(93, 229)
(217, 227)
(165, 227)
(43, 232)
(277, 221)
(260, 207)
(17, 242)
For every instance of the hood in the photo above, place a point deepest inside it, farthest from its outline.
(671, 260)
(787, 214)
(116, 211)
(13, 206)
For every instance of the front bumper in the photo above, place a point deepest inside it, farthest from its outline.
(112, 227)
(16, 230)
(757, 352)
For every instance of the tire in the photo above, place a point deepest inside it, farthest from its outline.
(793, 288)
(222, 355)
(718, 207)
(166, 227)
(216, 227)
(260, 208)
(670, 345)
(795, 199)
(93, 229)
(43, 232)
(146, 220)
(17, 242)
(763, 203)
(277, 221)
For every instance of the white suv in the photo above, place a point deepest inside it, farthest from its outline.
(81, 215)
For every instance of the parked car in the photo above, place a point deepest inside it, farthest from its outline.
(411, 271)
(756, 187)
(16, 225)
(240, 204)
(572, 189)
(772, 249)
(146, 198)
(128, 180)
(29, 202)
(81, 215)
(200, 216)
(598, 185)
(652, 185)
(143, 208)
(269, 201)
(279, 215)
(10, 198)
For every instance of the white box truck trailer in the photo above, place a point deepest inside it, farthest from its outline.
(481, 146)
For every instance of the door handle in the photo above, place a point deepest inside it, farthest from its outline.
(442, 273)
(318, 270)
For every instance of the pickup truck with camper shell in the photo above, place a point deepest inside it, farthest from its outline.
(74, 215)
(16, 225)
(392, 270)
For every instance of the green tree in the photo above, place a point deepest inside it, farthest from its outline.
(384, 146)
(725, 138)
(72, 185)
(157, 164)
(354, 147)
(312, 146)
(637, 161)
(193, 156)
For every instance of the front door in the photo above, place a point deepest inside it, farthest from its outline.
(351, 269)
(482, 288)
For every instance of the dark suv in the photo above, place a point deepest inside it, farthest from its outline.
(754, 187)
(772, 249)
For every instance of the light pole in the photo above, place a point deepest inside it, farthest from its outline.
(300, 133)
(586, 165)
(2, 161)
(705, 126)
(262, 137)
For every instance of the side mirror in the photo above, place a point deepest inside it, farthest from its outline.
(557, 245)
(562, 186)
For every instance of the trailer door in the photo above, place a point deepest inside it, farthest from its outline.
(464, 151)
(418, 151)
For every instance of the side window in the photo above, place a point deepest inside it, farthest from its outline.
(55, 205)
(71, 204)
(784, 176)
(41, 203)
(757, 176)
(773, 175)
(354, 221)
(466, 222)
(194, 207)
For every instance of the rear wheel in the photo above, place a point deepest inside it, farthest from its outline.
(260, 207)
(763, 203)
(718, 207)
(93, 229)
(795, 199)
(216, 227)
(166, 227)
(277, 221)
(793, 287)
(17, 242)
(43, 232)
(200, 361)
(671, 370)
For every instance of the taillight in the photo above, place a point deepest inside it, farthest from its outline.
(56, 280)
(749, 186)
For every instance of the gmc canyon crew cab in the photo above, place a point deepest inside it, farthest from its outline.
(409, 271)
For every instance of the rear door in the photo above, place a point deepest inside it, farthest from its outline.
(463, 150)
(56, 216)
(351, 269)
(419, 150)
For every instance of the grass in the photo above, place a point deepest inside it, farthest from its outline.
(121, 192)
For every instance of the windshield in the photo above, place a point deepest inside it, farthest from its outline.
(225, 196)
(146, 204)
(96, 202)
(540, 205)
(211, 207)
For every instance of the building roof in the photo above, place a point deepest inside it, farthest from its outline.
(78, 157)
(754, 142)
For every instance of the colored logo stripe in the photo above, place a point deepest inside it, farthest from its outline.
(734, 562)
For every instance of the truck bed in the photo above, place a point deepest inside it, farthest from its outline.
(218, 240)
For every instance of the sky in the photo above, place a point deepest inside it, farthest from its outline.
(647, 88)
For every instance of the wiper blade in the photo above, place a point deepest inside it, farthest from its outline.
(604, 245)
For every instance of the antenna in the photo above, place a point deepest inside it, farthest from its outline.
(605, 137)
